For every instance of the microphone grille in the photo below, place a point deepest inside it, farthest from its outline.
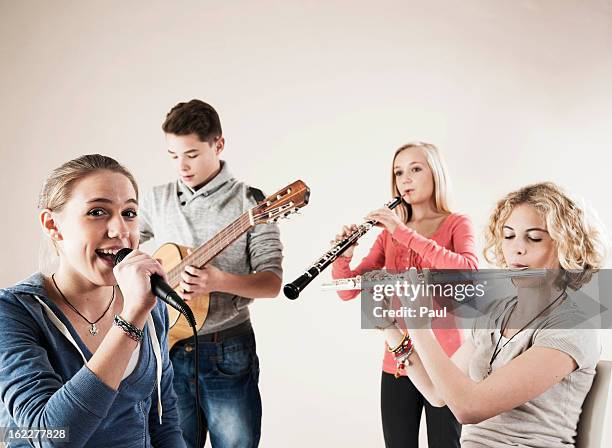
(122, 254)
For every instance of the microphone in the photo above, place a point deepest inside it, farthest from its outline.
(162, 290)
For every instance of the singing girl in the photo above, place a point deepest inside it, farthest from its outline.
(421, 232)
(83, 351)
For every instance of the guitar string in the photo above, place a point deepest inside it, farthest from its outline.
(223, 239)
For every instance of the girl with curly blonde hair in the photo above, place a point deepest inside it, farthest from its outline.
(522, 375)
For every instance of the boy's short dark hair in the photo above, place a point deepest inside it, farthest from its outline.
(194, 117)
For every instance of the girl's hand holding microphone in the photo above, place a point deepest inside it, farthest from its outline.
(133, 275)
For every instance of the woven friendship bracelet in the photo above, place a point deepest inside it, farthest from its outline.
(130, 329)
(402, 361)
(401, 353)
(400, 345)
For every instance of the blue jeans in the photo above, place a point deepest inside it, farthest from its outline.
(229, 392)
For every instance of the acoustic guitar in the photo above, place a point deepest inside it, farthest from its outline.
(174, 257)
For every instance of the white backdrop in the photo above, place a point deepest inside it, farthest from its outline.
(511, 92)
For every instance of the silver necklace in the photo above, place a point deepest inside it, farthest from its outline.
(497, 348)
(93, 329)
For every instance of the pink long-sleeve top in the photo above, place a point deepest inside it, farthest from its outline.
(452, 246)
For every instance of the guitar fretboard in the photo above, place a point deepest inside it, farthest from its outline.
(207, 251)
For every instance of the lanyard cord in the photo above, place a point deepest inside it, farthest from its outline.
(497, 351)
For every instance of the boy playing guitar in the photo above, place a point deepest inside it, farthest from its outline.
(190, 211)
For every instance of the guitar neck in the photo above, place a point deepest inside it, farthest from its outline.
(209, 250)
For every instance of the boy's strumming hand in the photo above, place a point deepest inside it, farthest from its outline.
(197, 281)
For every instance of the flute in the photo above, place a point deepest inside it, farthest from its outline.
(347, 284)
(292, 290)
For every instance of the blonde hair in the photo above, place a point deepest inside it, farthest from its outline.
(580, 239)
(440, 177)
(57, 189)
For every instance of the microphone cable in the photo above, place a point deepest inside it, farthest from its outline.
(179, 304)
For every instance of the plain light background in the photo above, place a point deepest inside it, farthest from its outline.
(511, 92)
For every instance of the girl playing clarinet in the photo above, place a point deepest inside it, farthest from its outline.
(421, 232)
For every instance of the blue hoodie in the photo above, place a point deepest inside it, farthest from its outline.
(45, 384)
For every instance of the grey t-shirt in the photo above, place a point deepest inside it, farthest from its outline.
(549, 420)
(174, 213)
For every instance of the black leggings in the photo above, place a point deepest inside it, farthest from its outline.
(402, 404)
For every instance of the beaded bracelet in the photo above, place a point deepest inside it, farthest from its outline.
(402, 360)
(401, 353)
(130, 329)
(401, 343)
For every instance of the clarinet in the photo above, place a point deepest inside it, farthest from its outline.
(292, 290)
